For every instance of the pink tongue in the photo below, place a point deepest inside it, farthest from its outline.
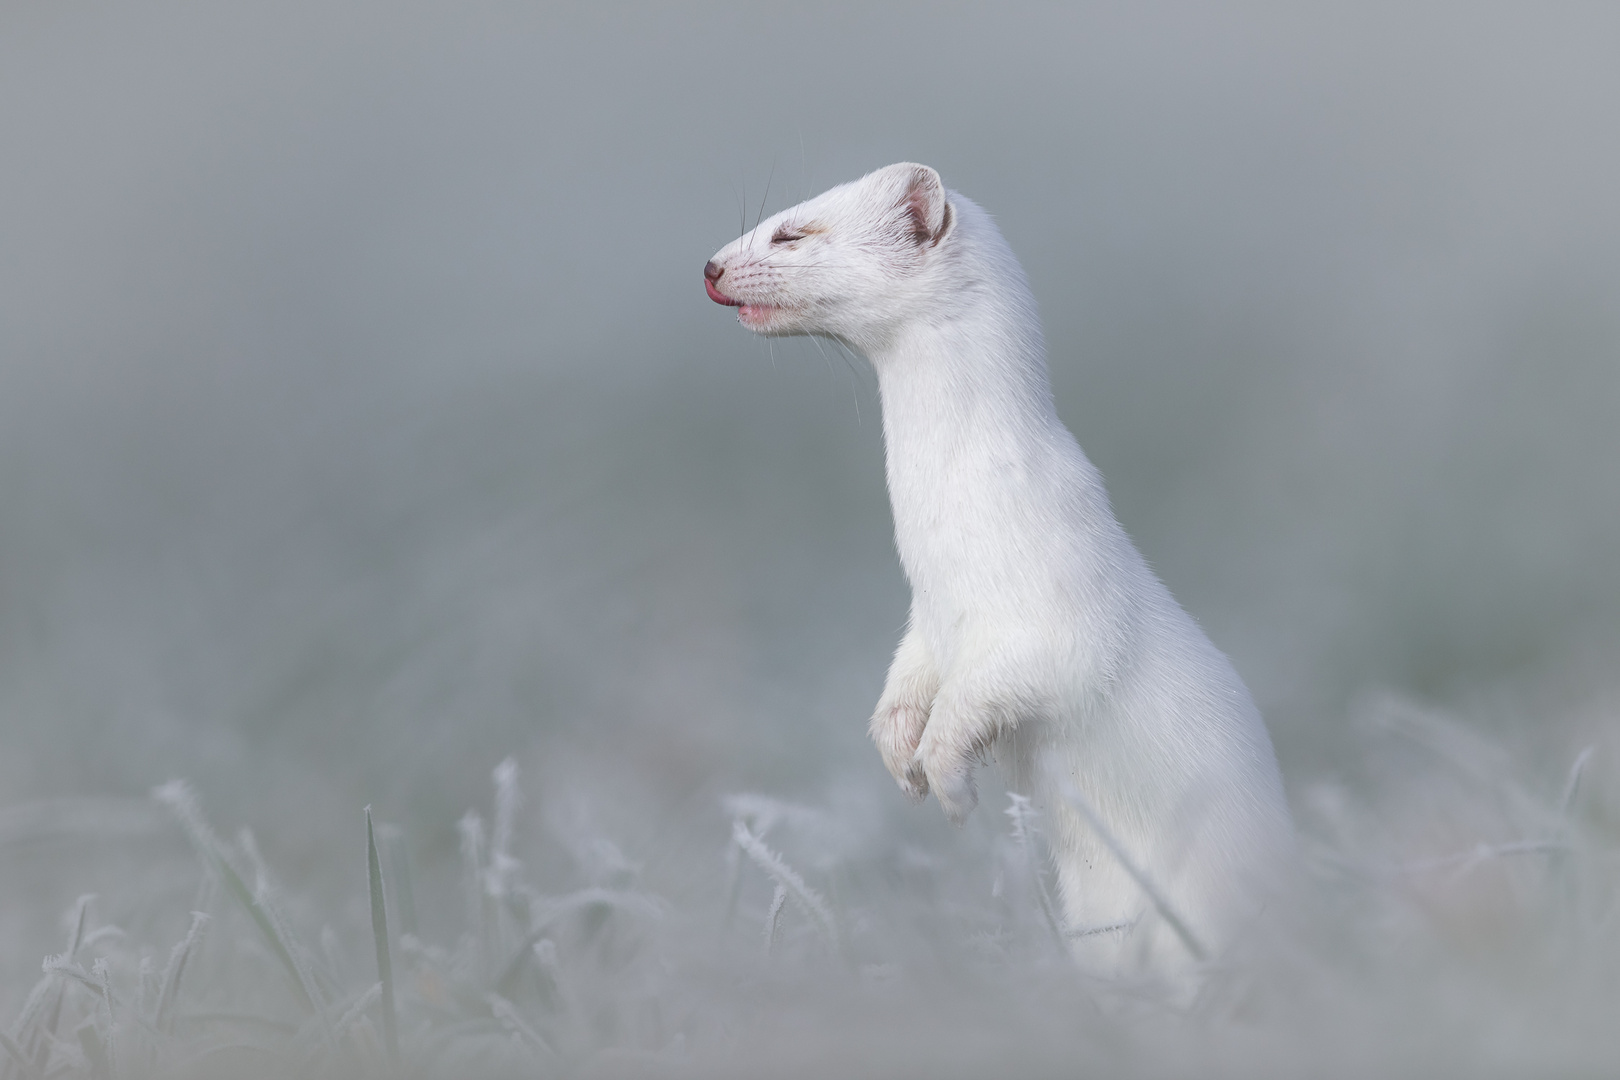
(719, 297)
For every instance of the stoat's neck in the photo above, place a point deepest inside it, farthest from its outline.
(971, 386)
(983, 478)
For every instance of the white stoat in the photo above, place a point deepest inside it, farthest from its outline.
(1038, 634)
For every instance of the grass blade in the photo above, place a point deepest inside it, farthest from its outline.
(508, 799)
(27, 1030)
(77, 922)
(102, 974)
(508, 1016)
(785, 876)
(399, 872)
(1572, 786)
(17, 1056)
(471, 828)
(161, 1017)
(773, 919)
(1072, 795)
(379, 932)
(355, 1012)
(1022, 815)
(95, 1052)
(178, 796)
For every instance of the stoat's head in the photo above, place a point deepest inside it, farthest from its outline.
(851, 263)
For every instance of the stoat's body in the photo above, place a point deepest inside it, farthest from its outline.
(1038, 634)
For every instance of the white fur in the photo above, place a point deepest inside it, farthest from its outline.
(1038, 634)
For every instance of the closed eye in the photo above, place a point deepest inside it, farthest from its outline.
(785, 235)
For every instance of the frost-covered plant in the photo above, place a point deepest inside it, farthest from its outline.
(503, 998)
(1449, 915)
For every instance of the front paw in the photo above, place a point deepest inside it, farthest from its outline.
(897, 729)
(948, 770)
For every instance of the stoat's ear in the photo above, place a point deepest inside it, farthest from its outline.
(926, 205)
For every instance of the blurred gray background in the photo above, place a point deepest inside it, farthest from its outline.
(363, 419)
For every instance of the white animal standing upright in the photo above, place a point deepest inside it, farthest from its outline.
(1038, 634)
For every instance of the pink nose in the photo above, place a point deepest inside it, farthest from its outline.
(712, 274)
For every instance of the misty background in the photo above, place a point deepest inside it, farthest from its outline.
(363, 419)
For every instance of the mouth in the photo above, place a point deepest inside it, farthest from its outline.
(753, 316)
(719, 297)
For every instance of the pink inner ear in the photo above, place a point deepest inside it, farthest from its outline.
(919, 204)
(917, 207)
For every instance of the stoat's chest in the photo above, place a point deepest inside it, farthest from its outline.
(987, 523)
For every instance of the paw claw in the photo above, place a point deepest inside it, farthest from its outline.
(897, 729)
(957, 797)
(914, 783)
(952, 784)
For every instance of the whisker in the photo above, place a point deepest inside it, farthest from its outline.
(761, 215)
(804, 183)
(854, 396)
(851, 361)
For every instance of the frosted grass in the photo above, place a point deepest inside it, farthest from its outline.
(1393, 952)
